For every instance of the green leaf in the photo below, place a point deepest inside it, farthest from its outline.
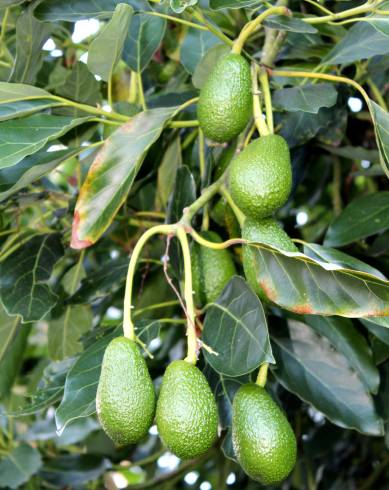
(380, 23)
(381, 127)
(144, 38)
(82, 380)
(13, 92)
(8, 329)
(30, 37)
(30, 169)
(73, 10)
(167, 171)
(194, 47)
(65, 332)
(291, 24)
(301, 284)
(22, 108)
(306, 98)
(233, 4)
(26, 136)
(312, 368)
(207, 63)
(112, 174)
(106, 49)
(24, 275)
(180, 5)
(7, 3)
(80, 85)
(235, 328)
(360, 219)
(377, 330)
(19, 466)
(344, 336)
(362, 41)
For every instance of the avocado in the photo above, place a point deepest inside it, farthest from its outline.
(211, 269)
(225, 104)
(266, 231)
(186, 411)
(263, 440)
(260, 177)
(125, 400)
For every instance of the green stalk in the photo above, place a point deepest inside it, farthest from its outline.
(262, 375)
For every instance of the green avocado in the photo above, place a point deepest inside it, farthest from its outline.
(263, 440)
(211, 269)
(125, 400)
(186, 411)
(260, 178)
(225, 105)
(266, 231)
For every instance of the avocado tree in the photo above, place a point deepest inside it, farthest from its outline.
(194, 244)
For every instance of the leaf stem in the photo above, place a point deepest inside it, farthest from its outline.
(156, 306)
(176, 19)
(141, 93)
(320, 7)
(238, 213)
(262, 375)
(366, 7)
(264, 80)
(206, 195)
(109, 90)
(184, 124)
(258, 117)
(197, 14)
(215, 245)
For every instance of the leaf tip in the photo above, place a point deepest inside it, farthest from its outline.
(75, 242)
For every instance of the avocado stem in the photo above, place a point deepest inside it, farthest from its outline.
(255, 24)
(262, 375)
(238, 213)
(258, 116)
(264, 79)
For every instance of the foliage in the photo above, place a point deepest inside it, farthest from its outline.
(95, 151)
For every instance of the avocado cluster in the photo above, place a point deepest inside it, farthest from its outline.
(185, 413)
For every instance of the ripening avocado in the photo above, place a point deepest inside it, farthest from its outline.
(186, 411)
(211, 269)
(260, 178)
(263, 440)
(266, 231)
(225, 105)
(125, 398)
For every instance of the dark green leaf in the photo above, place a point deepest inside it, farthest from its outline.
(112, 174)
(180, 5)
(306, 98)
(378, 330)
(30, 169)
(22, 137)
(207, 63)
(194, 47)
(22, 108)
(24, 275)
(235, 328)
(19, 466)
(106, 49)
(184, 193)
(144, 38)
(292, 24)
(381, 126)
(346, 339)
(167, 172)
(233, 4)
(80, 85)
(30, 37)
(312, 368)
(361, 218)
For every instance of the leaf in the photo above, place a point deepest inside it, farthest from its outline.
(381, 127)
(194, 47)
(235, 327)
(22, 108)
(82, 380)
(7, 3)
(377, 330)
(30, 169)
(180, 5)
(381, 24)
(24, 275)
(112, 174)
(360, 219)
(30, 38)
(19, 466)
(306, 98)
(8, 329)
(11, 92)
(80, 85)
(26, 136)
(301, 284)
(144, 38)
(207, 63)
(65, 332)
(167, 171)
(233, 4)
(73, 10)
(346, 339)
(362, 41)
(106, 49)
(309, 366)
(291, 24)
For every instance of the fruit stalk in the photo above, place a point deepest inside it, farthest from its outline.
(258, 117)
(262, 375)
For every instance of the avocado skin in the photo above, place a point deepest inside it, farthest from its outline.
(186, 411)
(266, 231)
(261, 177)
(211, 269)
(263, 440)
(225, 105)
(125, 398)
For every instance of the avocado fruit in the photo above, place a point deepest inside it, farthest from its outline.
(125, 400)
(266, 231)
(225, 104)
(263, 440)
(260, 178)
(186, 411)
(211, 269)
